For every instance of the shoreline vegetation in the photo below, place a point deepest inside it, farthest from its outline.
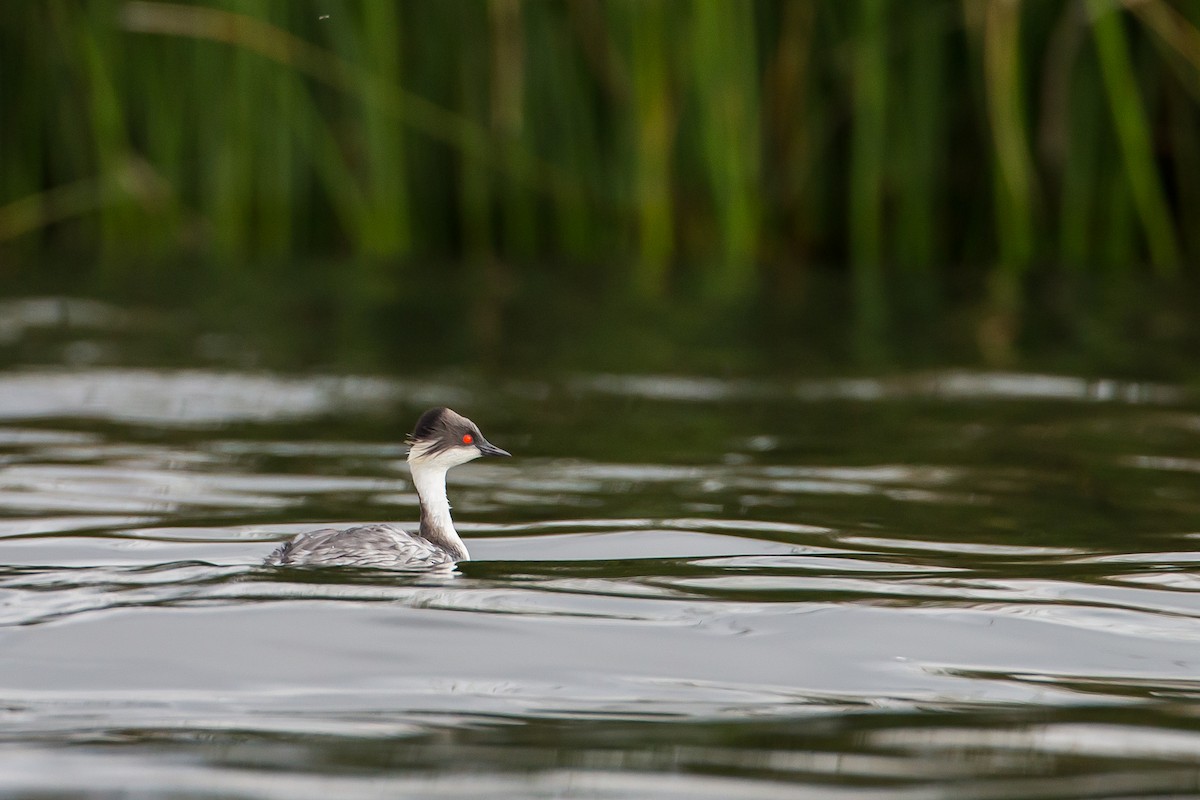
(928, 152)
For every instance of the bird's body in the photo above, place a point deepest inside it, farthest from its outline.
(442, 439)
(381, 546)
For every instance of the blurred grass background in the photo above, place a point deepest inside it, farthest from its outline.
(925, 153)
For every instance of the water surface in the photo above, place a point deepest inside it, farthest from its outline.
(931, 584)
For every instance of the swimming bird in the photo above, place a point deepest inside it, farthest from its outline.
(442, 439)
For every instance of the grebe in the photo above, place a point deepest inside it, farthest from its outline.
(441, 440)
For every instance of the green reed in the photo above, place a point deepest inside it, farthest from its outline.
(868, 158)
(1133, 133)
(677, 146)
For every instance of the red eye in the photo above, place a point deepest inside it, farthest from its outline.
(468, 438)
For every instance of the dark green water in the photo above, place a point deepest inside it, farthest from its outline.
(925, 584)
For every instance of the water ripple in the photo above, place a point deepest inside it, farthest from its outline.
(954, 577)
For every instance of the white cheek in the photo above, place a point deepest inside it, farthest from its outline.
(459, 455)
(420, 455)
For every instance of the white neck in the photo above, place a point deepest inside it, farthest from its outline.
(429, 479)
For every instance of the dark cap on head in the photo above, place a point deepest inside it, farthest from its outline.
(430, 423)
(441, 428)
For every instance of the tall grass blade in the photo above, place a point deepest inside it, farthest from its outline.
(724, 59)
(1133, 132)
(507, 101)
(1083, 167)
(919, 148)
(1014, 181)
(653, 120)
(387, 227)
(867, 163)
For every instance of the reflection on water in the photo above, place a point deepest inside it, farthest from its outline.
(188, 397)
(944, 585)
(945, 385)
